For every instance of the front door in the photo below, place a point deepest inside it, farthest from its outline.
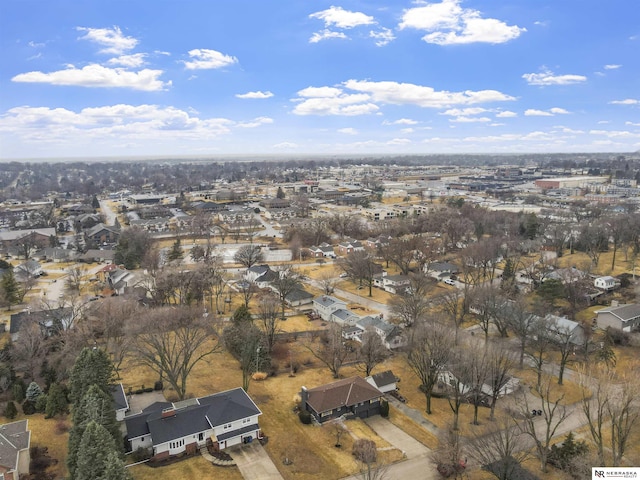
(200, 436)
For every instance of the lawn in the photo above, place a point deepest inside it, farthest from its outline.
(53, 434)
(191, 468)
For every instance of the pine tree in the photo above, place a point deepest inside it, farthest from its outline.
(176, 252)
(115, 469)
(10, 411)
(280, 193)
(92, 366)
(95, 406)
(10, 288)
(18, 392)
(95, 450)
(56, 401)
(33, 392)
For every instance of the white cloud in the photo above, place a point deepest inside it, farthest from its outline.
(470, 120)
(558, 111)
(401, 121)
(98, 76)
(109, 125)
(506, 114)
(285, 145)
(256, 122)
(547, 77)
(410, 94)
(532, 112)
(332, 101)
(463, 112)
(399, 141)
(603, 122)
(112, 39)
(615, 133)
(447, 23)
(204, 58)
(131, 61)
(257, 95)
(348, 131)
(626, 101)
(382, 37)
(612, 67)
(322, 92)
(340, 18)
(632, 124)
(543, 23)
(326, 34)
(407, 130)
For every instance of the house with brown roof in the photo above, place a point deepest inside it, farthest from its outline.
(15, 440)
(351, 397)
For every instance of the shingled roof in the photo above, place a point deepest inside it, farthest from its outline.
(347, 392)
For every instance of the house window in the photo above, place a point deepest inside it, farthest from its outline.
(246, 420)
(227, 426)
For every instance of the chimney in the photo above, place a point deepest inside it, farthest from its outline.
(168, 412)
(304, 396)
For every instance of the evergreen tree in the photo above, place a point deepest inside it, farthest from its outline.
(95, 203)
(95, 406)
(95, 450)
(115, 469)
(280, 193)
(18, 392)
(176, 252)
(41, 403)
(56, 401)
(92, 366)
(10, 288)
(33, 392)
(10, 411)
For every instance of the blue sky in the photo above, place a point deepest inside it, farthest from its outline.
(114, 78)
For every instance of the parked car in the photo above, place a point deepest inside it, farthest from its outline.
(448, 281)
(343, 275)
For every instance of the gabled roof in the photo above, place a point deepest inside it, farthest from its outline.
(259, 269)
(327, 301)
(298, 294)
(194, 416)
(99, 227)
(347, 392)
(268, 276)
(623, 312)
(343, 314)
(383, 379)
(43, 317)
(119, 398)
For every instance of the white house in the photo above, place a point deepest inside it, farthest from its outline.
(384, 381)
(325, 305)
(606, 283)
(120, 402)
(225, 419)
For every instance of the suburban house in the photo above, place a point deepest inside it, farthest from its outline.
(344, 316)
(351, 397)
(29, 269)
(49, 321)
(120, 402)
(38, 237)
(621, 317)
(606, 283)
(440, 270)
(15, 442)
(384, 381)
(325, 305)
(255, 271)
(392, 336)
(562, 326)
(101, 233)
(378, 242)
(395, 283)
(119, 279)
(298, 298)
(349, 246)
(324, 250)
(223, 419)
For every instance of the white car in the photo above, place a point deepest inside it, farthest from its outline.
(343, 275)
(448, 281)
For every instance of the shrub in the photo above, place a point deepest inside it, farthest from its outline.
(618, 337)
(259, 376)
(141, 454)
(305, 416)
(147, 390)
(41, 403)
(384, 408)
(561, 456)
(28, 407)
(10, 411)
(61, 427)
(138, 392)
(158, 386)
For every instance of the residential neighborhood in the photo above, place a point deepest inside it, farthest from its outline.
(250, 320)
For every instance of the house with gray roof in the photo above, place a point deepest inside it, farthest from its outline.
(120, 402)
(384, 381)
(50, 321)
(392, 336)
(349, 398)
(343, 316)
(562, 329)
(298, 298)
(325, 305)
(15, 441)
(621, 317)
(223, 419)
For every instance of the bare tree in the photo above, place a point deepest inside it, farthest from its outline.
(372, 351)
(74, 278)
(561, 337)
(268, 307)
(401, 253)
(487, 301)
(287, 280)
(452, 303)
(500, 449)
(538, 349)
(172, 341)
(366, 454)
(428, 353)
(500, 365)
(553, 415)
(522, 323)
(29, 348)
(327, 282)
(595, 386)
(448, 455)
(361, 267)
(248, 289)
(249, 255)
(623, 409)
(331, 349)
(412, 305)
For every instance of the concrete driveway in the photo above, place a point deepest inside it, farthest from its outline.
(396, 437)
(254, 463)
